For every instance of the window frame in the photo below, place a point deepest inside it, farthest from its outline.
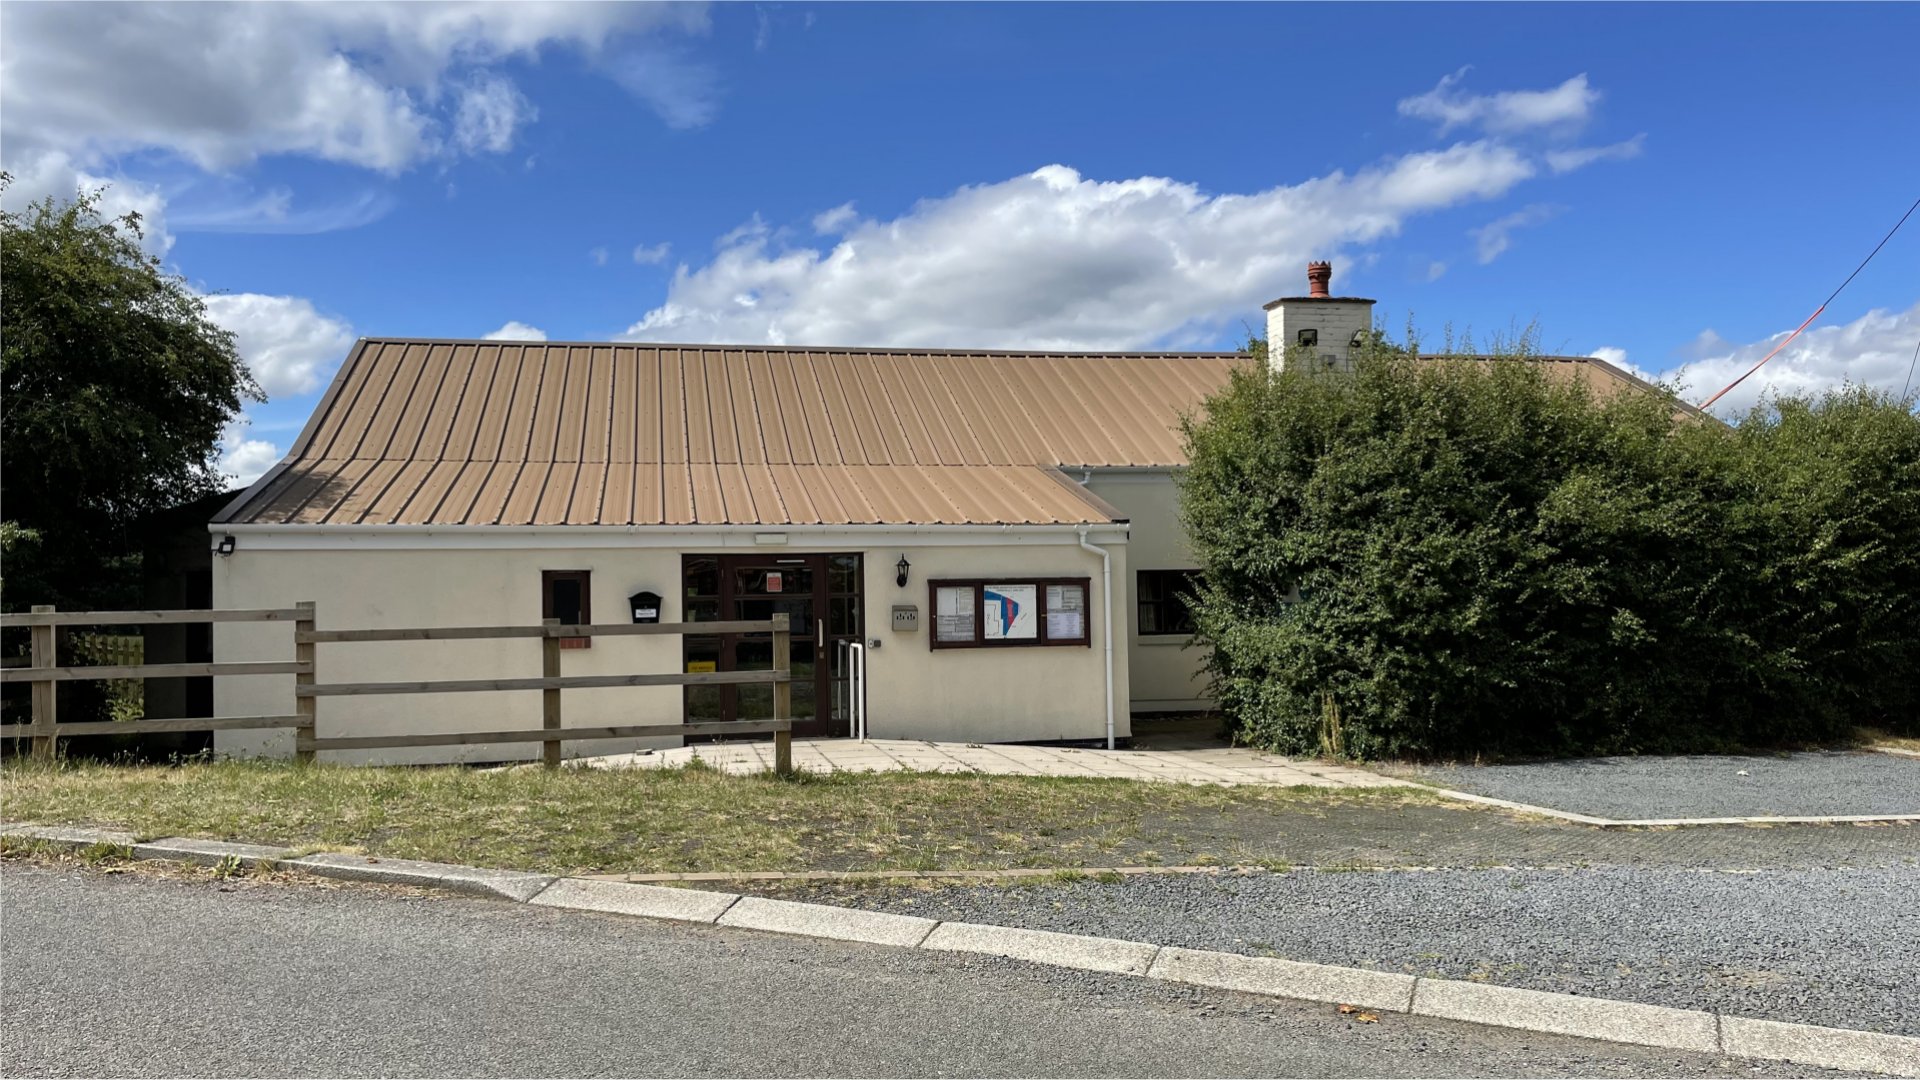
(1140, 599)
(1040, 640)
(585, 578)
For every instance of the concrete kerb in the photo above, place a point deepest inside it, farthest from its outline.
(1833, 1048)
(647, 901)
(823, 921)
(67, 836)
(1044, 947)
(1566, 1014)
(212, 852)
(1477, 1003)
(1272, 977)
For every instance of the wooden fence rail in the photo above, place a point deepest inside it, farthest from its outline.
(44, 673)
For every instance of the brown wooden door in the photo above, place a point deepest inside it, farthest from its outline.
(820, 595)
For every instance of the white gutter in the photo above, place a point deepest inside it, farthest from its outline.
(1106, 609)
(446, 537)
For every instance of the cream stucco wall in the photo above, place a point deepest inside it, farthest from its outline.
(389, 580)
(991, 694)
(1165, 673)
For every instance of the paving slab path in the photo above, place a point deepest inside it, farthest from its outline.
(1198, 765)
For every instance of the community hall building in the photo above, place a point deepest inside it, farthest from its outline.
(998, 531)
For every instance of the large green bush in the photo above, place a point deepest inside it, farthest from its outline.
(1443, 558)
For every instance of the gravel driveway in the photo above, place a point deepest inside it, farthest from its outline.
(1833, 947)
(1701, 786)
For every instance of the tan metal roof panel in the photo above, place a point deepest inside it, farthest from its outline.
(428, 493)
(775, 435)
(366, 488)
(597, 428)
(480, 398)
(522, 499)
(387, 506)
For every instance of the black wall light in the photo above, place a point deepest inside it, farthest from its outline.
(901, 568)
(225, 547)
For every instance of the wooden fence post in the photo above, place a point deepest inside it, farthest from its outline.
(44, 702)
(305, 708)
(782, 694)
(550, 699)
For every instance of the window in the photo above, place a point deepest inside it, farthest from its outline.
(1009, 614)
(1162, 596)
(1309, 338)
(565, 595)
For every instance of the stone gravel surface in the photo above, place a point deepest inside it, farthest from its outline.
(1828, 783)
(1830, 947)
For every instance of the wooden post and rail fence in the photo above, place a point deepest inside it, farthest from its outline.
(45, 672)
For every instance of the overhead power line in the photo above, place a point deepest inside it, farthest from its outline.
(1816, 312)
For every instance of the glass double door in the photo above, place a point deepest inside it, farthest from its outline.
(820, 595)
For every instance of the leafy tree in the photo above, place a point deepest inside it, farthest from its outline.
(1472, 556)
(116, 387)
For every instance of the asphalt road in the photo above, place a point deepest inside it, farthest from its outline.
(140, 975)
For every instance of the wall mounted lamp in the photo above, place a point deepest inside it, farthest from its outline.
(225, 547)
(901, 568)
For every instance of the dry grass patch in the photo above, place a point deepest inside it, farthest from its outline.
(662, 821)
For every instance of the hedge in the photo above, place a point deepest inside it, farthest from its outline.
(1469, 557)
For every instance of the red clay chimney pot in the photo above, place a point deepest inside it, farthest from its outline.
(1319, 276)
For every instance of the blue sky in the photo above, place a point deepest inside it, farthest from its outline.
(1670, 187)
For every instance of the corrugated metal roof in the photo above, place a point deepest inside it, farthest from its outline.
(508, 433)
(546, 433)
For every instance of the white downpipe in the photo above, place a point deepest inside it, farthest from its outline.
(1106, 609)
(857, 690)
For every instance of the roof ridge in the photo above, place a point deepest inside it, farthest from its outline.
(886, 350)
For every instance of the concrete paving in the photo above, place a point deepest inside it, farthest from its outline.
(1227, 765)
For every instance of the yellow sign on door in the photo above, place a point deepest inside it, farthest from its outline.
(700, 666)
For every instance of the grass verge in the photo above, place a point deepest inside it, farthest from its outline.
(685, 820)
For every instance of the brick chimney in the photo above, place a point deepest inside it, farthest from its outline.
(1317, 329)
(1319, 276)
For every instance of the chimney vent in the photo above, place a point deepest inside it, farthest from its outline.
(1319, 276)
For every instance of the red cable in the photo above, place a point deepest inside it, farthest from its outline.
(1707, 404)
(1823, 306)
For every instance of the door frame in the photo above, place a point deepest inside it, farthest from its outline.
(826, 653)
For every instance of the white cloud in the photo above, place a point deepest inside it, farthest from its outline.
(1054, 260)
(51, 173)
(243, 460)
(1875, 350)
(652, 255)
(763, 29)
(1618, 358)
(832, 222)
(1565, 107)
(683, 92)
(1579, 157)
(1495, 237)
(598, 256)
(290, 347)
(491, 111)
(1436, 270)
(518, 331)
(273, 211)
(369, 84)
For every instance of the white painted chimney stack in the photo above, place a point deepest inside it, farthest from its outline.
(1318, 329)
